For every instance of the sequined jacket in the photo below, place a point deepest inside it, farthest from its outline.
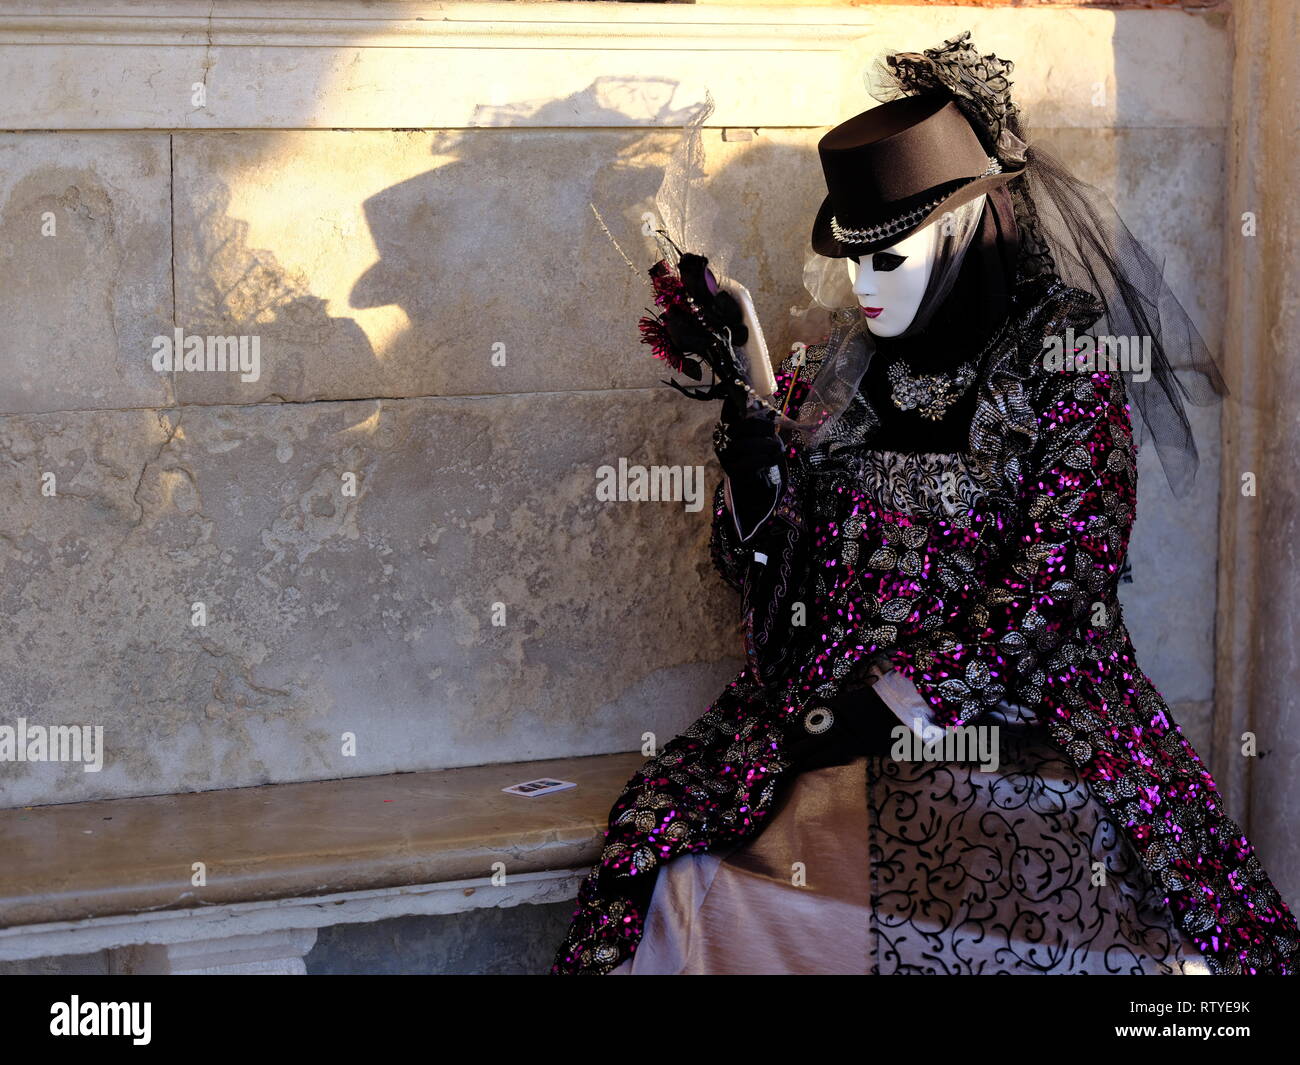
(989, 576)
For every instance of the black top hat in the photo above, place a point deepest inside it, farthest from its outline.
(893, 169)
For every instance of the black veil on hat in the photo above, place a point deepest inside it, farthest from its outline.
(1061, 226)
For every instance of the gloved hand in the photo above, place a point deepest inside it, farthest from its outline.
(837, 730)
(753, 458)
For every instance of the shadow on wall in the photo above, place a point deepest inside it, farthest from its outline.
(228, 287)
(502, 243)
(492, 252)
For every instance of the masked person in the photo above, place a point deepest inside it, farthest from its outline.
(928, 541)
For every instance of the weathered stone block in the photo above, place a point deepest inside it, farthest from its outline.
(372, 614)
(85, 257)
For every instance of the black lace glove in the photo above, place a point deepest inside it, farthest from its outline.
(752, 457)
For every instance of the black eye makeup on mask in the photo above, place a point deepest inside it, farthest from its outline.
(884, 261)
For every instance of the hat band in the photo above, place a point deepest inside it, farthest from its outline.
(870, 234)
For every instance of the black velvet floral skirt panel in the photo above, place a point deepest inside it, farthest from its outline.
(888, 866)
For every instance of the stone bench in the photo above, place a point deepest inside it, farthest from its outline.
(240, 880)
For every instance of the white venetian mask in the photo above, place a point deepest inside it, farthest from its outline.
(889, 284)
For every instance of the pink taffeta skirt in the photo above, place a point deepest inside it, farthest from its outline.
(893, 867)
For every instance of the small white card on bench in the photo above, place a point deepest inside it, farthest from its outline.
(544, 786)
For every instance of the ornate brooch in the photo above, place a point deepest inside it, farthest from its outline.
(930, 395)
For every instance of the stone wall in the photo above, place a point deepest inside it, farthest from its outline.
(397, 208)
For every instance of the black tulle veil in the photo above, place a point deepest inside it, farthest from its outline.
(1063, 226)
(1070, 228)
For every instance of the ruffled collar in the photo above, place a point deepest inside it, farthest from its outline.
(1004, 428)
(1005, 423)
